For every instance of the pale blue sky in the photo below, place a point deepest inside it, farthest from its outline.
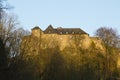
(88, 15)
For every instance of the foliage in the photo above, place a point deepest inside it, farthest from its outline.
(109, 36)
(62, 65)
(10, 39)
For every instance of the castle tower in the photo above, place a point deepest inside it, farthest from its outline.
(36, 31)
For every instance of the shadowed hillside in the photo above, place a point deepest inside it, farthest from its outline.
(44, 58)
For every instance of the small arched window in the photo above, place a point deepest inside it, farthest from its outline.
(73, 32)
(66, 32)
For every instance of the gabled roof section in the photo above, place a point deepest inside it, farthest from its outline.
(50, 27)
(49, 30)
(60, 30)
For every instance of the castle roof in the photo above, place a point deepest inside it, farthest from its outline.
(60, 30)
(36, 28)
(49, 30)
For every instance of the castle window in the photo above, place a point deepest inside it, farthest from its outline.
(49, 31)
(73, 32)
(60, 32)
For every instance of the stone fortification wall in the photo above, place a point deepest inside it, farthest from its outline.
(30, 45)
(38, 40)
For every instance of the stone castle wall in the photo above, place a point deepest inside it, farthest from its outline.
(38, 40)
(32, 44)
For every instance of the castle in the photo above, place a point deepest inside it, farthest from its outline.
(58, 37)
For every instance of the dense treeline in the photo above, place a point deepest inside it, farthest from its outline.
(53, 64)
(10, 39)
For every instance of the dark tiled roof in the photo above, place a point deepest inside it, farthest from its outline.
(49, 30)
(60, 30)
(36, 27)
(72, 31)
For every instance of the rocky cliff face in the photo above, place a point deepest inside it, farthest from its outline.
(32, 44)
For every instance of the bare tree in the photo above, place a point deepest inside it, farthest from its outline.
(4, 7)
(10, 34)
(8, 24)
(15, 41)
(109, 36)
